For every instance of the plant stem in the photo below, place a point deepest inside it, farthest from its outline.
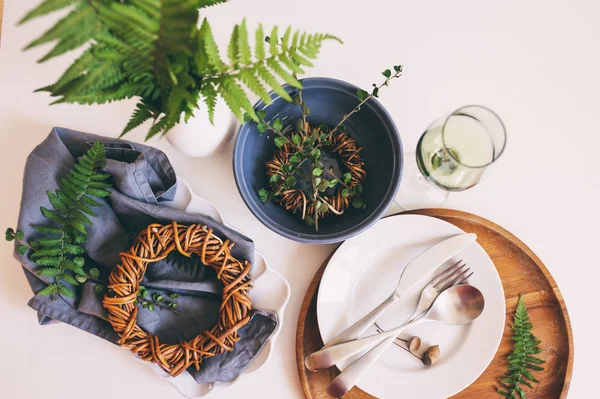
(338, 178)
(380, 330)
(329, 206)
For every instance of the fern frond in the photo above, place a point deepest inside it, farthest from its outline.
(245, 53)
(141, 114)
(521, 360)
(210, 46)
(209, 93)
(235, 97)
(72, 204)
(233, 50)
(46, 7)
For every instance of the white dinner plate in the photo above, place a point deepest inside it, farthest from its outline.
(365, 270)
(271, 292)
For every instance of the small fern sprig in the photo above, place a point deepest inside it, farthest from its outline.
(59, 253)
(522, 359)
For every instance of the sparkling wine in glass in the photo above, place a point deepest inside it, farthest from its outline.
(452, 155)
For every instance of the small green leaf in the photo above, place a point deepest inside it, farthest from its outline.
(276, 178)
(332, 183)
(376, 92)
(323, 186)
(358, 189)
(362, 95)
(290, 181)
(247, 117)
(296, 139)
(357, 203)
(263, 195)
(345, 193)
(173, 296)
(262, 114)
(20, 235)
(10, 230)
(21, 249)
(277, 124)
(347, 177)
(398, 68)
(305, 109)
(323, 207)
(99, 289)
(9, 237)
(387, 73)
(286, 168)
(262, 127)
(173, 305)
(294, 159)
(315, 154)
(81, 279)
(324, 128)
(317, 171)
(150, 307)
(280, 141)
(341, 128)
(300, 124)
(268, 39)
(309, 220)
(94, 273)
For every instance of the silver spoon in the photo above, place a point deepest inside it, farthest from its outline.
(457, 305)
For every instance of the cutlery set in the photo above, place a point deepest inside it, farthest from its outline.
(445, 299)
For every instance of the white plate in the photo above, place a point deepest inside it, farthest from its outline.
(271, 292)
(365, 270)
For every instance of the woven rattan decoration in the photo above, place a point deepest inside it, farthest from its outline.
(154, 244)
(348, 152)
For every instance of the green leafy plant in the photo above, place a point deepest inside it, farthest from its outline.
(59, 254)
(301, 148)
(154, 51)
(157, 300)
(522, 358)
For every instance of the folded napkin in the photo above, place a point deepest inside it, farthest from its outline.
(143, 180)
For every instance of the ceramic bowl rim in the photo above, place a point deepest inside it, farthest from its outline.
(373, 217)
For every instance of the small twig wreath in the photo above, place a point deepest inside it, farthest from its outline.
(348, 152)
(154, 244)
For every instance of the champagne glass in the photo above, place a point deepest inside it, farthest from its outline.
(451, 155)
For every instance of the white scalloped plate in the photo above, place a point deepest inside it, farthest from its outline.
(271, 292)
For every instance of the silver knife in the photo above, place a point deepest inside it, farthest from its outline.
(416, 271)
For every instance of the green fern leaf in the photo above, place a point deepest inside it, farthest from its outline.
(48, 230)
(46, 7)
(72, 266)
(209, 94)
(273, 41)
(141, 114)
(233, 50)
(521, 360)
(277, 68)
(68, 278)
(292, 66)
(235, 97)
(49, 290)
(259, 48)
(63, 290)
(245, 54)
(52, 215)
(40, 253)
(270, 80)
(48, 271)
(285, 39)
(210, 46)
(255, 85)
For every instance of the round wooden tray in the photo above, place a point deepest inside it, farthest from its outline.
(522, 273)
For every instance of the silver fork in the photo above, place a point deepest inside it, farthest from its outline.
(455, 274)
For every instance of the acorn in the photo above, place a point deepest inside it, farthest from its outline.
(413, 344)
(430, 356)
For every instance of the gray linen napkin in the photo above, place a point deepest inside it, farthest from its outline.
(143, 178)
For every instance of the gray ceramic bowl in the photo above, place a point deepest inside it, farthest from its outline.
(373, 128)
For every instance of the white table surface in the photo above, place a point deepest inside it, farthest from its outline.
(535, 62)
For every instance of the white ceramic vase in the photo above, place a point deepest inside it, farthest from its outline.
(200, 138)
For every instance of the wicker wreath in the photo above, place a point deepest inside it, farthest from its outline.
(347, 150)
(154, 244)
